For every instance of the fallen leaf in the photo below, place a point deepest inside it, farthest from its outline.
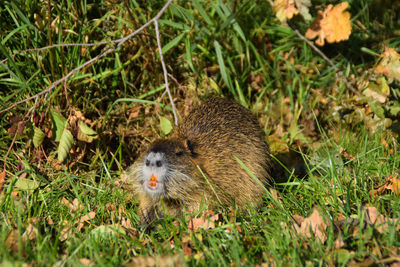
(86, 262)
(85, 218)
(134, 112)
(88, 216)
(313, 225)
(26, 184)
(339, 242)
(392, 184)
(30, 232)
(74, 206)
(299, 219)
(2, 179)
(12, 240)
(333, 24)
(376, 219)
(389, 63)
(18, 125)
(85, 133)
(187, 250)
(50, 221)
(38, 136)
(165, 125)
(160, 261)
(206, 221)
(285, 9)
(65, 233)
(302, 6)
(375, 95)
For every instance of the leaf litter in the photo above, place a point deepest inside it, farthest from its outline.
(332, 24)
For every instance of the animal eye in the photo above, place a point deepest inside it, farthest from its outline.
(179, 153)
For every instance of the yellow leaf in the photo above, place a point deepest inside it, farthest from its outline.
(389, 63)
(333, 25)
(285, 9)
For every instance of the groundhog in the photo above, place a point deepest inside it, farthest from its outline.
(196, 164)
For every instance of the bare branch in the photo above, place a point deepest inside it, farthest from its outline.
(165, 72)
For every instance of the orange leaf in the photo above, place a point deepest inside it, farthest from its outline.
(389, 63)
(2, 179)
(333, 24)
(392, 184)
(206, 221)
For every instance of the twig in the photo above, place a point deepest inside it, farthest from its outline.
(316, 49)
(165, 72)
(118, 43)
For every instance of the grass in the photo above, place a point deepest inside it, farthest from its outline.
(231, 48)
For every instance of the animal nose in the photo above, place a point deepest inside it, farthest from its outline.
(153, 163)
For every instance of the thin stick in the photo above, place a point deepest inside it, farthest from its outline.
(118, 43)
(316, 49)
(165, 72)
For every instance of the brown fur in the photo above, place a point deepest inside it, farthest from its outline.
(208, 137)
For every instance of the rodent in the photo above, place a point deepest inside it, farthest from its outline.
(166, 178)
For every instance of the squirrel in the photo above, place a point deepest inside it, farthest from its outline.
(197, 163)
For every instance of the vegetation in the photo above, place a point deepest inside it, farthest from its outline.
(62, 197)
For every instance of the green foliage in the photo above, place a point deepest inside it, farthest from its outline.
(98, 118)
(165, 125)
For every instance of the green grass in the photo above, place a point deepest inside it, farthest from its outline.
(231, 48)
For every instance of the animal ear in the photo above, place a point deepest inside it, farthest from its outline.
(189, 146)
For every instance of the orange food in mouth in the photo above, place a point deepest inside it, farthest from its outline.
(153, 178)
(153, 181)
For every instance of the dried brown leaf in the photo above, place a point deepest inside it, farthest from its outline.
(339, 242)
(2, 179)
(74, 206)
(206, 221)
(12, 240)
(18, 125)
(299, 219)
(65, 233)
(375, 218)
(85, 218)
(30, 232)
(86, 262)
(50, 221)
(392, 185)
(88, 216)
(161, 261)
(313, 225)
(389, 63)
